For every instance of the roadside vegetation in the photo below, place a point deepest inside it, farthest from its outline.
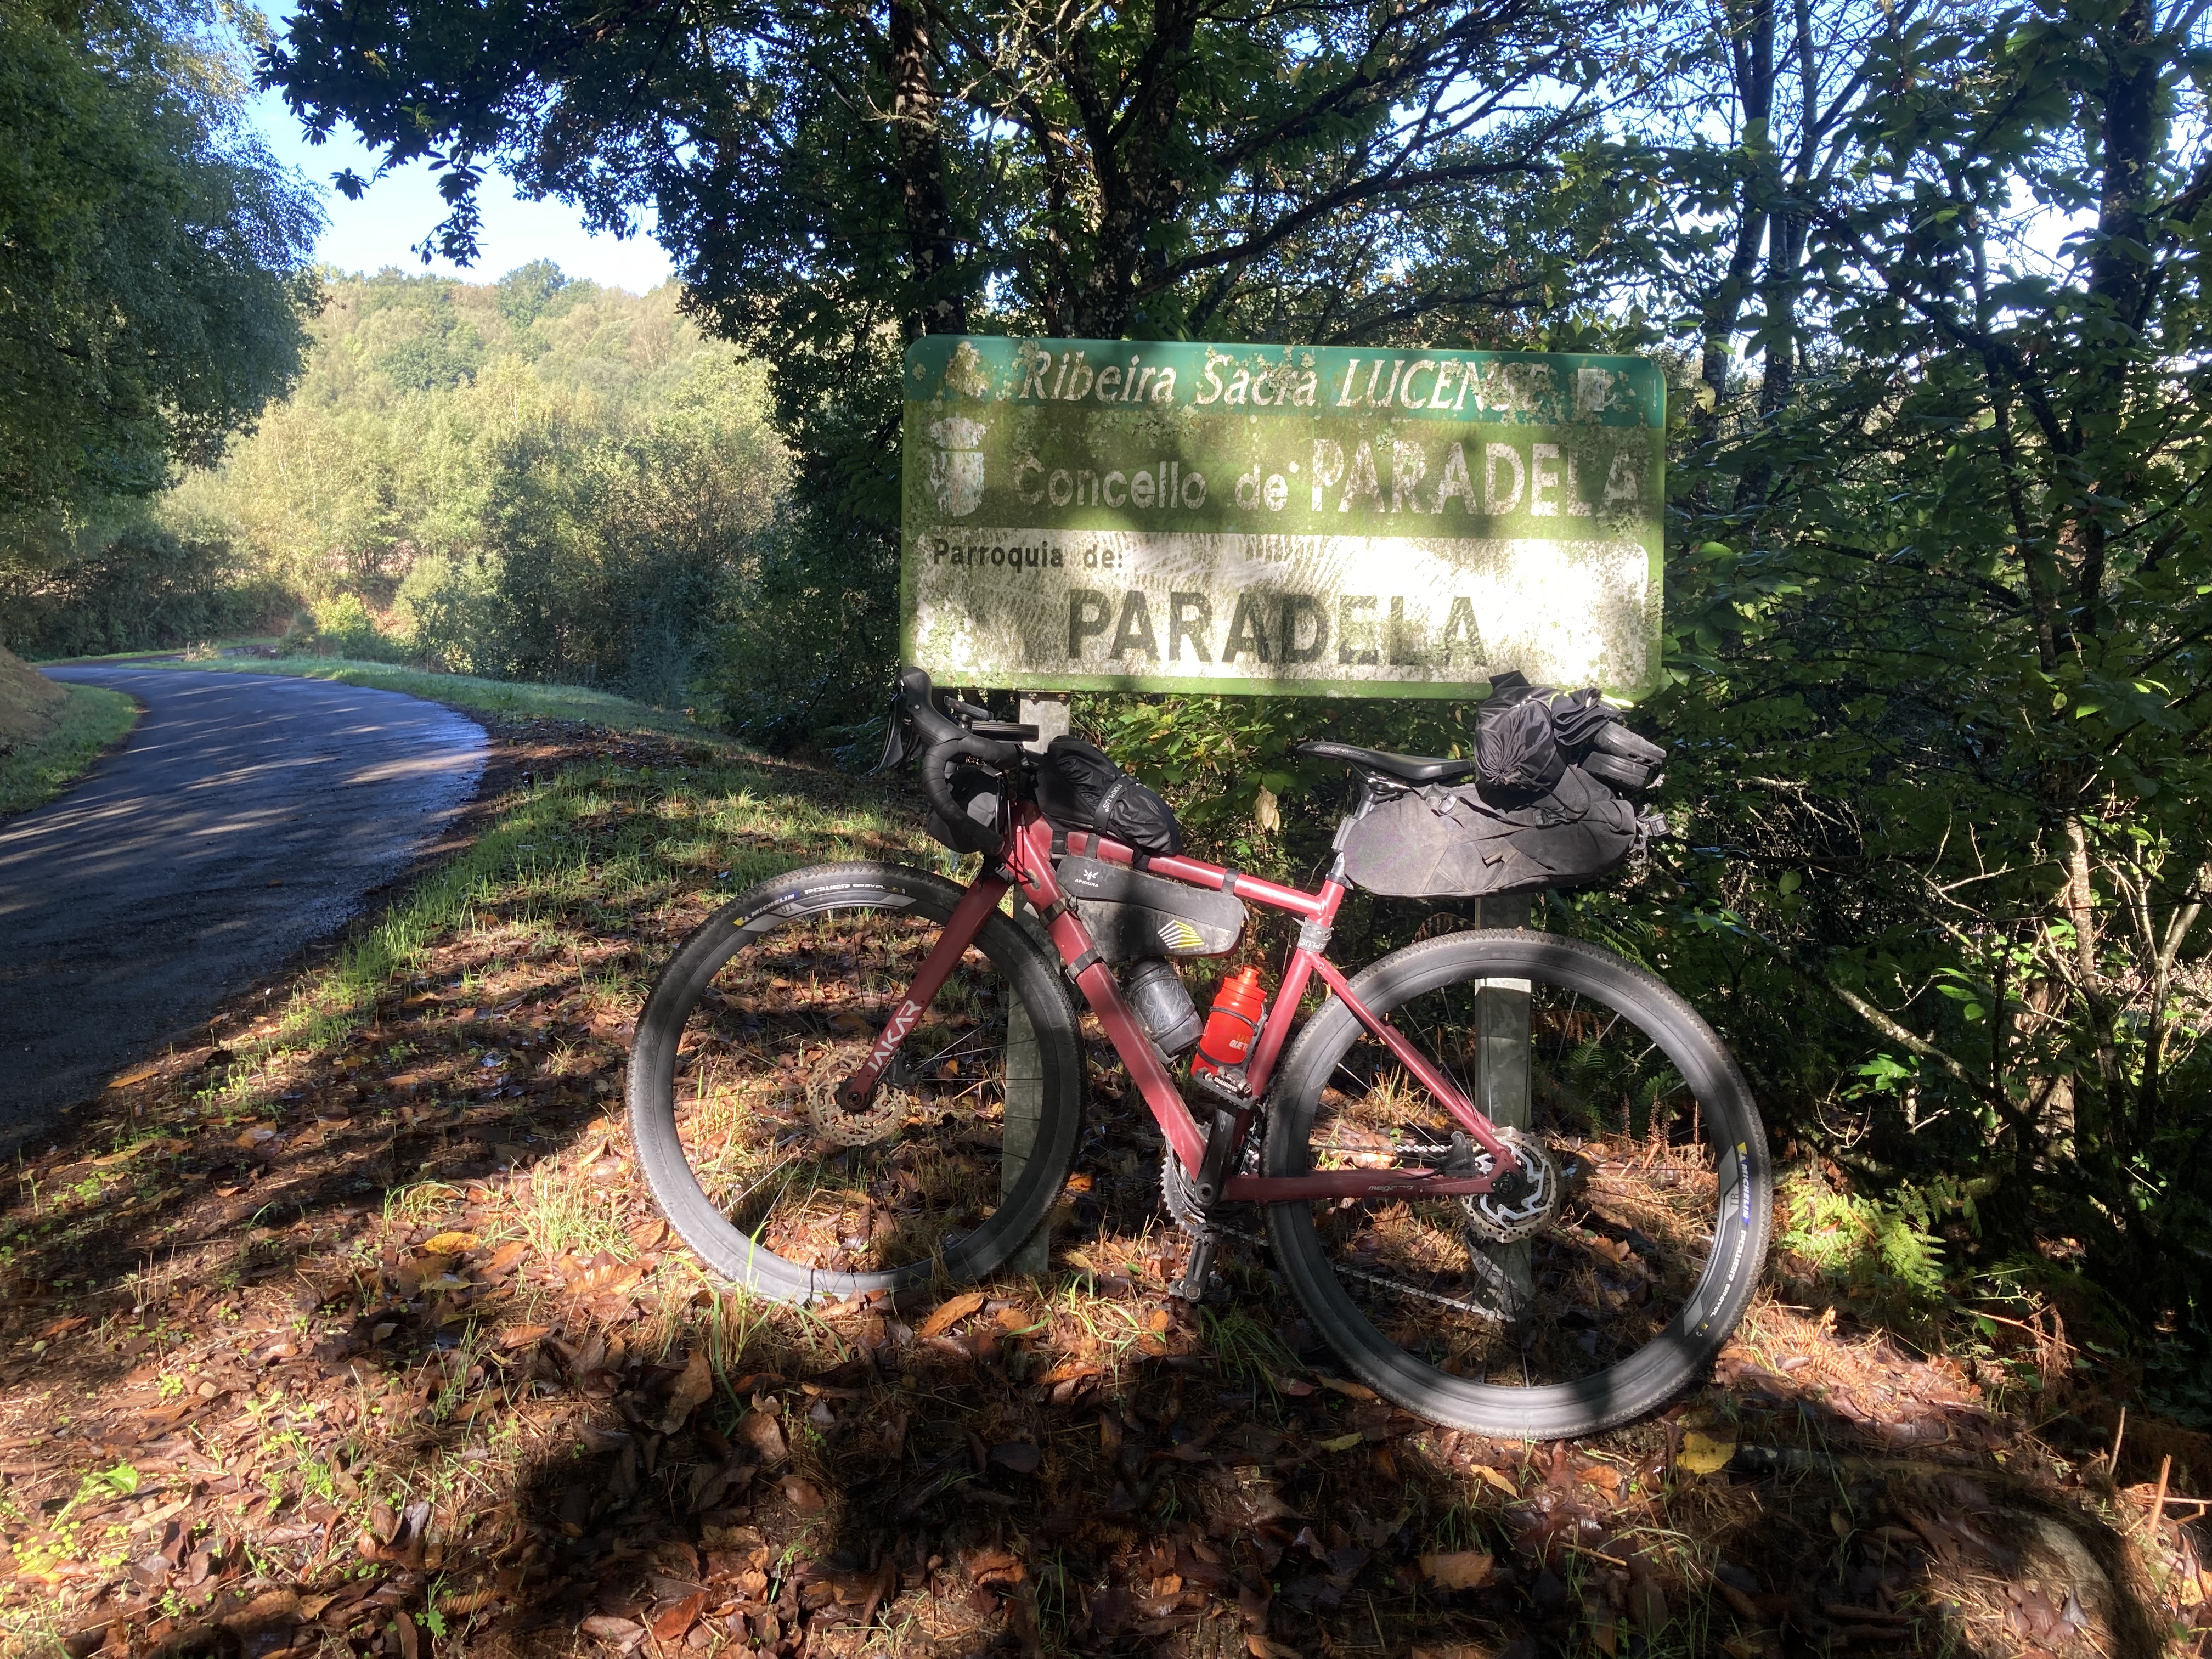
(347, 1325)
(92, 721)
(50, 733)
(511, 699)
(533, 479)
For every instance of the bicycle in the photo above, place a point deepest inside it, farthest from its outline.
(826, 1066)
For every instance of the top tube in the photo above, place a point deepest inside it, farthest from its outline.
(1197, 872)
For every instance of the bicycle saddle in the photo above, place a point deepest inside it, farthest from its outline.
(1408, 769)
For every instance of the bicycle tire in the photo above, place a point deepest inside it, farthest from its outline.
(1741, 1171)
(879, 895)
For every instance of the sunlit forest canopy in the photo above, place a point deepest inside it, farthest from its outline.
(533, 477)
(537, 477)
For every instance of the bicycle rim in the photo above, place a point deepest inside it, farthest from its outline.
(774, 1003)
(1632, 1275)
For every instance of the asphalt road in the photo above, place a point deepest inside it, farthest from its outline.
(247, 818)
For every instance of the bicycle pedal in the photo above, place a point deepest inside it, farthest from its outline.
(1226, 1086)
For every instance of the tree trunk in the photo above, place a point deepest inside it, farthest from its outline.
(1750, 47)
(939, 307)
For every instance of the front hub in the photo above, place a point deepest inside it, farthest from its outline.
(843, 1125)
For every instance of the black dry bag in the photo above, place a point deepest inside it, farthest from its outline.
(1079, 788)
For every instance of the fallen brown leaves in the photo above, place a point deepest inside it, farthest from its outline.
(394, 1357)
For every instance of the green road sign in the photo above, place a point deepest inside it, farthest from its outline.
(1126, 516)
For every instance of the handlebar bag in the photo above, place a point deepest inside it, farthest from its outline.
(1079, 788)
(979, 793)
(1439, 843)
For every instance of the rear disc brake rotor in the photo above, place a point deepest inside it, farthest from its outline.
(1532, 1209)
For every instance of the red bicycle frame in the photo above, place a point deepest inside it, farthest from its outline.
(1026, 863)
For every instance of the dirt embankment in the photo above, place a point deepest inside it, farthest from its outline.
(28, 702)
(349, 1329)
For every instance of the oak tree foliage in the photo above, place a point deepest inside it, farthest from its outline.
(154, 273)
(1928, 279)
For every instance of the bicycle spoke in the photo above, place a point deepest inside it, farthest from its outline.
(1622, 1249)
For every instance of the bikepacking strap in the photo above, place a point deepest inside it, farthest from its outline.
(1086, 846)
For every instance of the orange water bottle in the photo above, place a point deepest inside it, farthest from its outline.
(1232, 1022)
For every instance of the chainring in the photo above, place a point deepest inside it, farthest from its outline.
(1181, 1199)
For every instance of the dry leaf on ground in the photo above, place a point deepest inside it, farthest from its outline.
(1459, 1570)
(693, 1389)
(949, 1314)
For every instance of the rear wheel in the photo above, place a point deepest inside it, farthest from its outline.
(778, 998)
(1594, 1297)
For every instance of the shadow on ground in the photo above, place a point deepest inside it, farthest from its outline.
(350, 1329)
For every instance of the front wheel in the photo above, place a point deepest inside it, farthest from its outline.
(771, 1003)
(1592, 1299)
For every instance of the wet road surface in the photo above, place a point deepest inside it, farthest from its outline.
(248, 817)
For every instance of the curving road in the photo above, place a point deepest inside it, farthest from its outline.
(248, 817)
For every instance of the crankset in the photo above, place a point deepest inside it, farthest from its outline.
(1190, 1201)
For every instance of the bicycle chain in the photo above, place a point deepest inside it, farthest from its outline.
(1182, 1208)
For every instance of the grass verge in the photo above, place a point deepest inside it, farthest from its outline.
(349, 1329)
(91, 721)
(515, 699)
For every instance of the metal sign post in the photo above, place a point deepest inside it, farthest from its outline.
(1505, 1063)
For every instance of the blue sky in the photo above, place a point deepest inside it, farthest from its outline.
(382, 227)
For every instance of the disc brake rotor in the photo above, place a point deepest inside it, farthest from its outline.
(839, 1128)
(1524, 1214)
